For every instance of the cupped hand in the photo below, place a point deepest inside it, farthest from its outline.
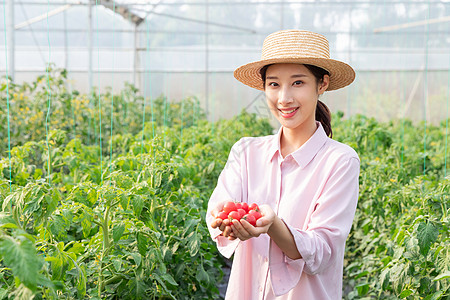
(223, 225)
(243, 230)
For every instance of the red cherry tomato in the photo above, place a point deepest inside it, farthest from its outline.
(241, 212)
(250, 218)
(255, 213)
(229, 207)
(238, 205)
(223, 215)
(253, 206)
(245, 206)
(234, 215)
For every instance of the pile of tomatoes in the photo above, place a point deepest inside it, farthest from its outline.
(240, 210)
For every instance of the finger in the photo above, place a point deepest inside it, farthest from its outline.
(240, 231)
(224, 224)
(252, 230)
(247, 226)
(216, 223)
(232, 238)
(227, 231)
(263, 221)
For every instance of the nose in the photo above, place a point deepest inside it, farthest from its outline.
(285, 96)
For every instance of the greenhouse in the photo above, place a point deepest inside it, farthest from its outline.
(119, 119)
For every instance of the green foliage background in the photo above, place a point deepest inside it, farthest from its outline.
(122, 216)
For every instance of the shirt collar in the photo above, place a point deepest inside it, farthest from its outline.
(307, 151)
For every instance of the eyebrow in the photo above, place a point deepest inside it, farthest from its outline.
(293, 76)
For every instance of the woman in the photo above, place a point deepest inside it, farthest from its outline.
(305, 183)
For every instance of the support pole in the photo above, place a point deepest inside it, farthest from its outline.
(11, 39)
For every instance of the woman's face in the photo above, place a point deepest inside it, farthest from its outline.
(292, 92)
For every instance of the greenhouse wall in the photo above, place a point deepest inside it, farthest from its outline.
(399, 49)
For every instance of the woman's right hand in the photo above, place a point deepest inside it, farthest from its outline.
(223, 225)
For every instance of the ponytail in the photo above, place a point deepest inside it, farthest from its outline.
(323, 115)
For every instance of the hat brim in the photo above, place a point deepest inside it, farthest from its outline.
(341, 74)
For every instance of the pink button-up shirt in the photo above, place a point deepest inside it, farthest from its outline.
(314, 190)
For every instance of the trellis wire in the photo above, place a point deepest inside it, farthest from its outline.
(403, 116)
(7, 98)
(99, 98)
(49, 99)
(213, 101)
(182, 109)
(112, 93)
(146, 81)
(165, 99)
(446, 124)
(425, 98)
(73, 112)
(193, 120)
(149, 81)
(350, 88)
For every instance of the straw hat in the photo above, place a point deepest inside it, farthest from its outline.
(296, 46)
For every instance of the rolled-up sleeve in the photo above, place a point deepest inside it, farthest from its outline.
(229, 187)
(323, 241)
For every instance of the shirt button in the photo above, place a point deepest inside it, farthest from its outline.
(266, 259)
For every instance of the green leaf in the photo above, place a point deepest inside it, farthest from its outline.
(362, 289)
(442, 276)
(118, 232)
(436, 296)
(158, 179)
(201, 275)
(77, 248)
(426, 234)
(124, 201)
(194, 244)
(210, 168)
(58, 226)
(137, 258)
(20, 255)
(117, 264)
(405, 293)
(161, 281)
(361, 274)
(168, 278)
(92, 196)
(141, 287)
(86, 223)
(3, 293)
(9, 226)
(81, 282)
(138, 204)
(142, 243)
(57, 266)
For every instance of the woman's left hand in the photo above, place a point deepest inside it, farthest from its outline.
(243, 230)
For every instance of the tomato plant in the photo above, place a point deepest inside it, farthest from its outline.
(127, 220)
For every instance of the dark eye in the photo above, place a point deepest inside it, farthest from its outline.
(298, 82)
(273, 84)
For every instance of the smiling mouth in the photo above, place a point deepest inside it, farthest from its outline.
(287, 112)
